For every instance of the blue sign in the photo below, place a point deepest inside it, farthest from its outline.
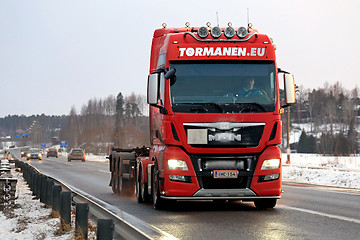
(43, 145)
(25, 135)
(17, 136)
(63, 144)
(111, 143)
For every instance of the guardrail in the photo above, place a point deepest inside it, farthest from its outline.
(46, 188)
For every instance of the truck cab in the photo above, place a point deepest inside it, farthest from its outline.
(215, 118)
(215, 114)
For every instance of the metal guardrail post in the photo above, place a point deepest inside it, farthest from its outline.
(38, 185)
(49, 193)
(81, 220)
(65, 207)
(105, 229)
(56, 198)
(43, 189)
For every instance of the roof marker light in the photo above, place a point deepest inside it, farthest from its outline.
(215, 32)
(241, 32)
(203, 32)
(187, 24)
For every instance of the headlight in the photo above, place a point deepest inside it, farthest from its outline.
(174, 164)
(270, 164)
(29, 155)
(40, 155)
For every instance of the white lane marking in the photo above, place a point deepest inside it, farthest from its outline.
(322, 214)
(326, 190)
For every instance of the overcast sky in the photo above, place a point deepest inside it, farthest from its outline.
(59, 54)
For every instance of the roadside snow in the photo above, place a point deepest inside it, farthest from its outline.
(322, 170)
(29, 219)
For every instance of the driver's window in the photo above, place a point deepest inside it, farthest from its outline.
(162, 88)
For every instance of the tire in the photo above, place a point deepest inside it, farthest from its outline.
(158, 203)
(138, 185)
(141, 188)
(265, 203)
(114, 183)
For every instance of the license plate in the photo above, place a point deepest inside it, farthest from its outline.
(225, 174)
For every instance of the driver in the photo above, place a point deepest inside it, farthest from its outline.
(248, 89)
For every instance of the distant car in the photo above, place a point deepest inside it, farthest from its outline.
(76, 154)
(33, 153)
(24, 151)
(52, 152)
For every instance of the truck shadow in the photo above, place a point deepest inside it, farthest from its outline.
(202, 206)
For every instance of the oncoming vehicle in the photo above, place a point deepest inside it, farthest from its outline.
(215, 120)
(24, 151)
(52, 152)
(34, 153)
(76, 154)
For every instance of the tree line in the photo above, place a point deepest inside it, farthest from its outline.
(328, 119)
(114, 121)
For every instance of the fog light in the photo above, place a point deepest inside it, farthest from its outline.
(271, 177)
(178, 178)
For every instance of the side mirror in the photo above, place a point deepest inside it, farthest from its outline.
(153, 89)
(171, 75)
(289, 85)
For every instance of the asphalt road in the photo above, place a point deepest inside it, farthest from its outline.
(304, 212)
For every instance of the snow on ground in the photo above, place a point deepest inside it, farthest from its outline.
(29, 219)
(323, 170)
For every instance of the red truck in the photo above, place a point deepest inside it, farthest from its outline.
(215, 120)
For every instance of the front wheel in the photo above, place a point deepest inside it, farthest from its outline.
(265, 203)
(158, 203)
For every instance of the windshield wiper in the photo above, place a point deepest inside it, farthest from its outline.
(251, 106)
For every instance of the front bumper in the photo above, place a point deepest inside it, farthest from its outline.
(224, 194)
(248, 185)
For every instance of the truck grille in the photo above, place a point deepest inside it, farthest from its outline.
(233, 135)
(204, 166)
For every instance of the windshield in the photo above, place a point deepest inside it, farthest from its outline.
(240, 86)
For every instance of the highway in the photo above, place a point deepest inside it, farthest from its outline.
(304, 212)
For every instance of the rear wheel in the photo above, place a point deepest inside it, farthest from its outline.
(265, 203)
(114, 183)
(141, 187)
(138, 190)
